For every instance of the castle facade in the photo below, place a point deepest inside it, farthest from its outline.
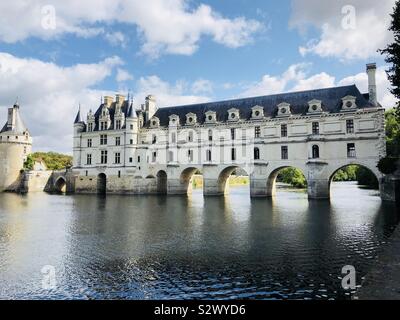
(118, 149)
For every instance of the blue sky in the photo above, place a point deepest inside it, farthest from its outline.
(56, 54)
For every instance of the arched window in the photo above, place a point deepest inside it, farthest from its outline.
(190, 137)
(315, 152)
(256, 154)
(209, 156)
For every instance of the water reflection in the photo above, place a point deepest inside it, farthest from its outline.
(190, 247)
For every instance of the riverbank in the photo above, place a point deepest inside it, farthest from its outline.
(383, 281)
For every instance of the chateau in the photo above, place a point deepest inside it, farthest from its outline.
(118, 149)
(15, 146)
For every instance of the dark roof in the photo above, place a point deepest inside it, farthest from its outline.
(331, 102)
(78, 117)
(19, 125)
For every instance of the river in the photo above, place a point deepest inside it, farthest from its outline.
(149, 247)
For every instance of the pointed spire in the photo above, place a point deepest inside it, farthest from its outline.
(78, 117)
(131, 112)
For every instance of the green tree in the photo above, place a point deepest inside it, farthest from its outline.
(53, 160)
(292, 176)
(392, 52)
(392, 127)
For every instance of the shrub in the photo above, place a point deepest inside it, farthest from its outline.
(388, 165)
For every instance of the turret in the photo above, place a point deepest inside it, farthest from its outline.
(79, 127)
(132, 129)
(15, 146)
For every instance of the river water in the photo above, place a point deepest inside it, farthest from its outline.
(148, 247)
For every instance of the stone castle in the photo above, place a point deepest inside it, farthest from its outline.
(15, 146)
(118, 149)
(151, 150)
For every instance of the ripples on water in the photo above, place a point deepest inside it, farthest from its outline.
(190, 247)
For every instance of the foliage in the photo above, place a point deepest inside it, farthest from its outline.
(346, 174)
(388, 165)
(293, 177)
(53, 160)
(392, 52)
(392, 127)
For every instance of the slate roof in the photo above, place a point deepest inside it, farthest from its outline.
(331, 102)
(19, 127)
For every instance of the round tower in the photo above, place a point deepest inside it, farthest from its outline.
(15, 146)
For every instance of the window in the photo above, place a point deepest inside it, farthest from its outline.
(103, 139)
(103, 125)
(284, 130)
(154, 140)
(315, 128)
(173, 137)
(86, 173)
(209, 155)
(118, 124)
(131, 141)
(138, 159)
(90, 126)
(256, 154)
(233, 134)
(119, 174)
(190, 155)
(170, 156)
(131, 126)
(154, 156)
(130, 160)
(190, 137)
(210, 135)
(257, 132)
(117, 141)
(233, 154)
(351, 150)
(24, 150)
(89, 143)
(350, 126)
(315, 152)
(117, 158)
(284, 153)
(103, 156)
(89, 159)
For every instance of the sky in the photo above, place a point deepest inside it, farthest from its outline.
(55, 54)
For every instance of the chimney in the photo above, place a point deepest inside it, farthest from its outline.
(371, 71)
(119, 99)
(108, 100)
(150, 106)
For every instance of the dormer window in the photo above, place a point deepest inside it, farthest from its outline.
(257, 112)
(349, 103)
(315, 106)
(191, 119)
(154, 122)
(211, 117)
(284, 110)
(233, 115)
(173, 120)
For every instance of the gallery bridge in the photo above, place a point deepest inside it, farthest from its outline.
(175, 179)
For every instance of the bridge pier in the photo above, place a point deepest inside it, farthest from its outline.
(177, 187)
(318, 189)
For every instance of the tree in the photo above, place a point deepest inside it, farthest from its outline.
(392, 52)
(53, 161)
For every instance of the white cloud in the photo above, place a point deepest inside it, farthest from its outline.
(357, 38)
(49, 94)
(116, 39)
(297, 78)
(166, 94)
(202, 86)
(171, 26)
(123, 75)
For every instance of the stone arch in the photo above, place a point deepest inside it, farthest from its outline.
(273, 175)
(186, 177)
(372, 170)
(162, 181)
(60, 185)
(222, 182)
(102, 183)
